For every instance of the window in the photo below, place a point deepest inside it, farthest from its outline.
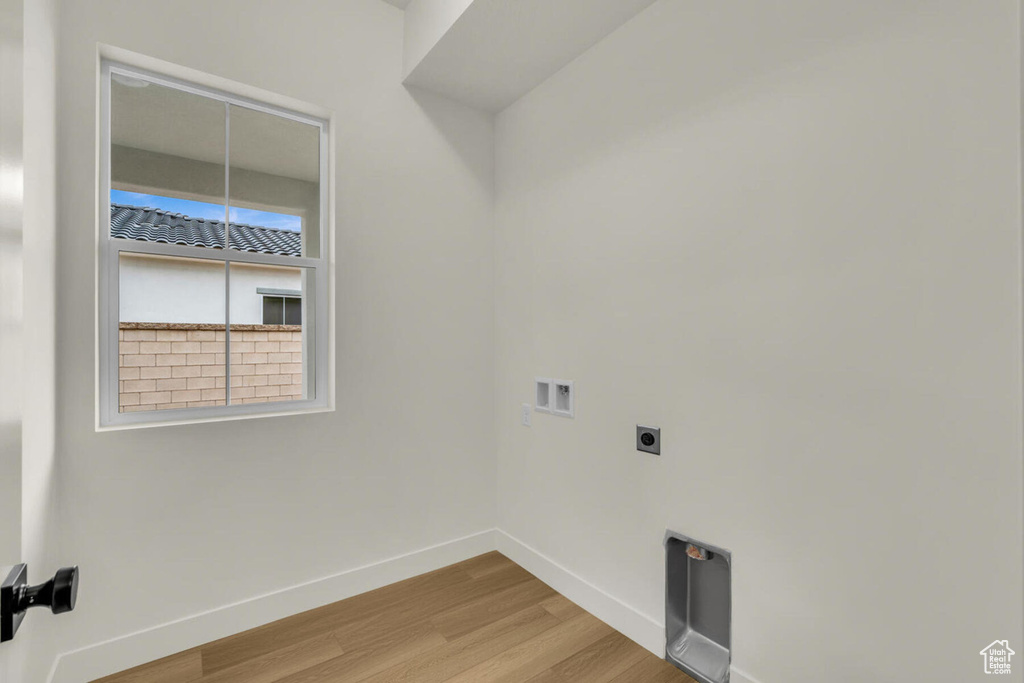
(213, 276)
(281, 307)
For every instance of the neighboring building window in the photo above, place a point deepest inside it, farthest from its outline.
(281, 307)
(213, 270)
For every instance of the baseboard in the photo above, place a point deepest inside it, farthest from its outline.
(125, 652)
(639, 627)
(738, 676)
(642, 629)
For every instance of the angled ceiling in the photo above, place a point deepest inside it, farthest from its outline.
(496, 51)
(400, 4)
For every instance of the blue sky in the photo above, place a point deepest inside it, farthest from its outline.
(267, 219)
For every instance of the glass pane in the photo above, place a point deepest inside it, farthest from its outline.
(270, 361)
(171, 333)
(273, 310)
(166, 164)
(275, 184)
(293, 311)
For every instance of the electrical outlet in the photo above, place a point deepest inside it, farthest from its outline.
(525, 414)
(648, 439)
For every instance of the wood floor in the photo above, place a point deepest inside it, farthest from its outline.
(485, 620)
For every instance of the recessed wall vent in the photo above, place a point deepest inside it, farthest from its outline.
(698, 608)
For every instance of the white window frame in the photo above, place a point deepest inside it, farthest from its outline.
(317, 376)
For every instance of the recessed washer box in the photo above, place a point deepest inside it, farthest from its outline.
(564, 398)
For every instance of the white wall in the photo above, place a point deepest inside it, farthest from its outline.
(790, 235)
(27, 313)
(39, 537)
(161, 290)
(789, 238)
(173, 521)
(11, 285)
(426, 21)
(11, 288)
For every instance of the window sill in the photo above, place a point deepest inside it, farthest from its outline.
(268, 410)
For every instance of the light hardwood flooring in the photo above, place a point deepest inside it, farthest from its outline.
(485, 620)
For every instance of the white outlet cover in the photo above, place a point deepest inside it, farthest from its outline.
(524, 415)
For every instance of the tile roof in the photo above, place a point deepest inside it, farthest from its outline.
(156, 225)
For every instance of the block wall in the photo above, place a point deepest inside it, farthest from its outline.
(165, 366)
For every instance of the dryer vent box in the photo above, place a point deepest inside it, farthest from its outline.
(698, 608)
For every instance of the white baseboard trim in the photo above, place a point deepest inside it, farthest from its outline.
(639, 627)
(738, 676)
(642, 629)
(124, 652)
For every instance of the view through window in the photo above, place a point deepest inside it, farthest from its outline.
(214, 250)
